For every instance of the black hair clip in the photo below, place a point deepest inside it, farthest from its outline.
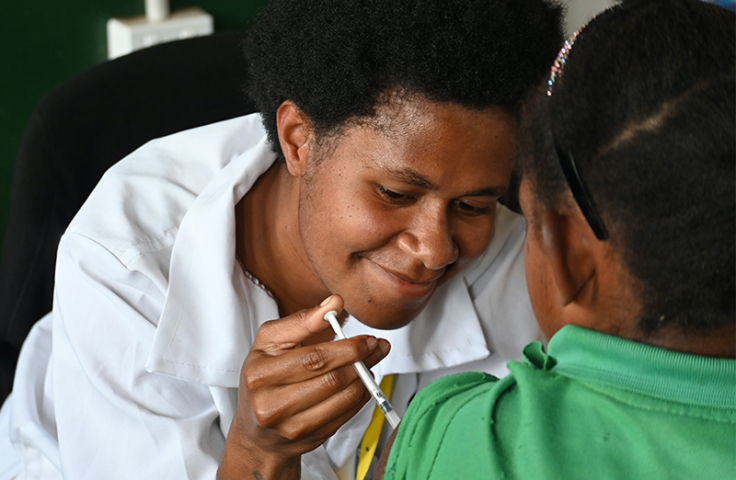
(581, 195)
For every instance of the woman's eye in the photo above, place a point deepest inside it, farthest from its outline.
(471, 209)
(391, 195)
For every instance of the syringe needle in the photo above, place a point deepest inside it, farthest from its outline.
(366, 377)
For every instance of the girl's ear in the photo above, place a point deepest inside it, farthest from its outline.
(567, 243)
(295, 137)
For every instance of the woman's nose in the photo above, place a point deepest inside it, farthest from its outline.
(429, 240)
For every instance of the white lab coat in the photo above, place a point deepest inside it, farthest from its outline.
(134, 374)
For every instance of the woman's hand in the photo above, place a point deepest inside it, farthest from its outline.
(293, 396)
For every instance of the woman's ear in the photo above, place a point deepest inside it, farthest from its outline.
(568, 246)
(295, 134)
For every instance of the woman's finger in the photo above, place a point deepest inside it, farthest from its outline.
(301, 364)
(289, 399)
(276, 336)
(322, 420)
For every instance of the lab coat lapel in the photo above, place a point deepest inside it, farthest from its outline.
(205, 332)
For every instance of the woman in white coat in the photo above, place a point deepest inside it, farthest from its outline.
(187, 338)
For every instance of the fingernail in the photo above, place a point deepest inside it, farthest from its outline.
(371, 341)
(325, 301)
(384, 346)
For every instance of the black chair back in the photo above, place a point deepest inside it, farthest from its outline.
(77, 132)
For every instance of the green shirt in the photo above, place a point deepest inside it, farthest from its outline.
(595, 407)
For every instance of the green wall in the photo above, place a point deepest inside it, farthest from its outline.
(44, 42)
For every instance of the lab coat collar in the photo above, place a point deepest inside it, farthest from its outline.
(204, 331)
(210, 316)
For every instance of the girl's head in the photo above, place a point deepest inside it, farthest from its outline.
(643, 107)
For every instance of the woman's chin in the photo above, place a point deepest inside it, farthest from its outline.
(383, 317)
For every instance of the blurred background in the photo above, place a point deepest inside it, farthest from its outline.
(45, 42)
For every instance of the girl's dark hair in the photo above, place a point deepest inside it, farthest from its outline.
(645, 105)
(333, 58)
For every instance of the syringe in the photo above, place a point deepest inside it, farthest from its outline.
(366, 377)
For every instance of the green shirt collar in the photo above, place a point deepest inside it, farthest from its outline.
(589, 355)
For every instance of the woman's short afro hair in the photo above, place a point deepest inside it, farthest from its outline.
(333, 58)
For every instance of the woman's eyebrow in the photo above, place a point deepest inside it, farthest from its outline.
(488, 192)
(414, 178)
(410, 177)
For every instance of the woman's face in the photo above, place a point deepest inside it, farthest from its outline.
(392, 209)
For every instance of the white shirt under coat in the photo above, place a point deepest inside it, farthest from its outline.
(135, 372)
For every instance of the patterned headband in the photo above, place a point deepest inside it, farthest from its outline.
(559, 63)
(561, 58)
(567, 163)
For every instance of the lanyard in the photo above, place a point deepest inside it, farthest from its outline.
(373, 432)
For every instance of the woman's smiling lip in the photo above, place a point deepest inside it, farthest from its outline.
(406, 285)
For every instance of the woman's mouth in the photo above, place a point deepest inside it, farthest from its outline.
(406, 284)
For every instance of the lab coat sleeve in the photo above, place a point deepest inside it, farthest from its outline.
(114, 419)
(28, 444)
